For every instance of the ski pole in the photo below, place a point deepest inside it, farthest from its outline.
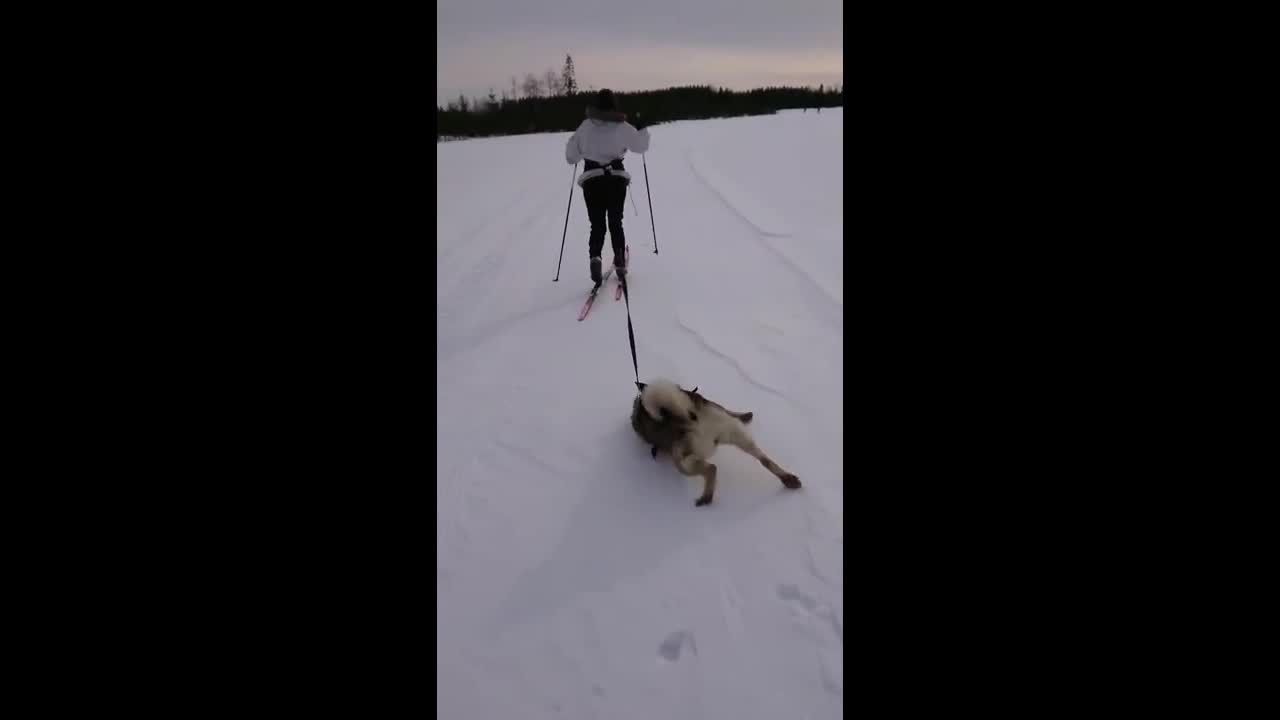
(650, 194)
(565, 234)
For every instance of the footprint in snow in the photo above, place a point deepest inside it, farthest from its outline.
(671, 647)
(812, 607)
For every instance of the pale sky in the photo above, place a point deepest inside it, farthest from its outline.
(638, 44)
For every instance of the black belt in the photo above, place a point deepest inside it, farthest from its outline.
(612, 165)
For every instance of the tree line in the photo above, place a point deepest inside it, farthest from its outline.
(553, 103)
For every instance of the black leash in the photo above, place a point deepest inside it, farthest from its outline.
(646, 190)
(631, 334)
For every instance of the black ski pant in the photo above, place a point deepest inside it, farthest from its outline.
(605, 196)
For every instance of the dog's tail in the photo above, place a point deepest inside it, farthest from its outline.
(661, 395)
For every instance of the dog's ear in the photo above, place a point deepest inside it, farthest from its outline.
(698, 400)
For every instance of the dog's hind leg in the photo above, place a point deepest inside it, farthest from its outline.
(692, 465)
(744, 441)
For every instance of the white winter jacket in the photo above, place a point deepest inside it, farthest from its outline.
(604, 141)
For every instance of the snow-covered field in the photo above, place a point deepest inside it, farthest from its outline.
(576, 579)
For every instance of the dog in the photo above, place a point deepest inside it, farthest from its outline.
(688, 426)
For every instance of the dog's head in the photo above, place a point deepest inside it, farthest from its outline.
(697, 401)
(693, 394)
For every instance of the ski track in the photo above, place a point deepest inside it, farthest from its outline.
(464, 240)
(826, 300)
(528, 455)
(760, 221)
(731, 362)
(528, 201)
(468, 290)
(575, 576)
(475, 339)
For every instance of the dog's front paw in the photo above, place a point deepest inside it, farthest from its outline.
(704, 500)
(791, 481)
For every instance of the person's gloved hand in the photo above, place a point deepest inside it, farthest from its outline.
(639, 123)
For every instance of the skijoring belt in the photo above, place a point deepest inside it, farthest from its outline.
(613, 168)
(612, 165)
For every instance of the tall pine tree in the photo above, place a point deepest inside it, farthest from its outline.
(568, 83)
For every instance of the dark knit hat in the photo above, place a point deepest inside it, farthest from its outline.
(604, 100)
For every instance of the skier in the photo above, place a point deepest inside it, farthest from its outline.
(602, 140)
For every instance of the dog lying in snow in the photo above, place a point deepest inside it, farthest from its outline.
(688, 426)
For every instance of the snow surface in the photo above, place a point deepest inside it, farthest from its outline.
(575, 577)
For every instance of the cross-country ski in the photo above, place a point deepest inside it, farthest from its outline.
(591, 297)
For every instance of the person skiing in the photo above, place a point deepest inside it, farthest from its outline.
(602, 139)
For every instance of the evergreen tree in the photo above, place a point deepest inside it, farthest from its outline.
(568, 82)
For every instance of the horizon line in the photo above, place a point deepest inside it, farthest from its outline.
(713, 86)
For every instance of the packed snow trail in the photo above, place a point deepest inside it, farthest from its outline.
(575, 577)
